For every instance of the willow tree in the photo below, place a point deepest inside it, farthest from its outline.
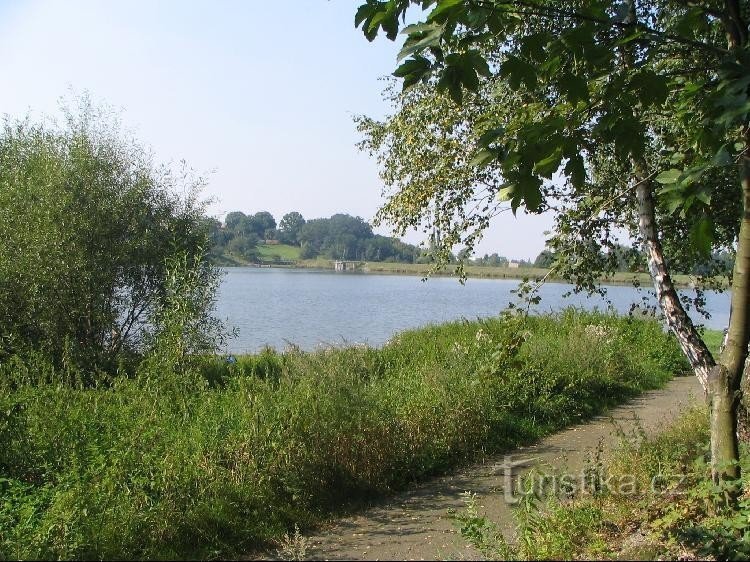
(88, 223)
(640, 107)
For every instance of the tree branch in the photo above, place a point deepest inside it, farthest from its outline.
(535, 9)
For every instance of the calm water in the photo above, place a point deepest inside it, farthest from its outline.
(310, 308)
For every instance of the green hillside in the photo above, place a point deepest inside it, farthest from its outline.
(268, 252)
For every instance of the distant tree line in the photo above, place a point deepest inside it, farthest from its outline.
(346, 237)
(620, 257)
(341, 236)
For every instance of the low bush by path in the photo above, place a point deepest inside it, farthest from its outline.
(657, 502)
(214, 458)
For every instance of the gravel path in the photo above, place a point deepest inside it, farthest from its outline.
(414, 525)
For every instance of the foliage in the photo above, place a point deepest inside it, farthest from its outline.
(245, 247)
(261, 224)
(556, 102)
(345, 237)
(424, 151)
(545, 259)
(184, 328)
(677, 512)
(276, 252)
(198, 459)
(624, 118)
(289, 228)
(87, 222)
(339, 237)
(493, 260)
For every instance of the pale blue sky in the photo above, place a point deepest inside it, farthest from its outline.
(259, 93)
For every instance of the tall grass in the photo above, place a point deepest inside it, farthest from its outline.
(670, 509)
(222, 457)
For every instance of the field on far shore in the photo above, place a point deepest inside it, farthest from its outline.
(489, 272)
(270, 253)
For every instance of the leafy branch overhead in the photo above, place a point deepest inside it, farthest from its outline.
(619, 116)
(569, 59)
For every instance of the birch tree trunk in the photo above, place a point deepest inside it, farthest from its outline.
(725, 380)
(679, 322)
(722, 381)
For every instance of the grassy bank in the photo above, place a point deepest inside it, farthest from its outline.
(210, 459)
(269, 253)
(487, 272)
(656, 502)
(649, 499)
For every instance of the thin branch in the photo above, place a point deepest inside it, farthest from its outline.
(546, 11)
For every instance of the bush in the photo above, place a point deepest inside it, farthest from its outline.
(672, 510)
(213, 457)
(87, 223)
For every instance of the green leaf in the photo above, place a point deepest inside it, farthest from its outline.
(482, 158)
(674, 203)
(412, 66)
(574, 87)
(532, 46)
(549, 165)
(575, 169)
(702, 235)
(651, 88)
(517, 72)
(722, 158)
(704, 196)
(532, 194)
(443, 6)
(421, 37)
(491, 136)
(450, 81)
(669, 176)
(413, 70)
(478, 62)
(689, 21)
(374, 15)
(419, 28)
(676, 158)
(366, 12)
(505, 193)
(630, 37)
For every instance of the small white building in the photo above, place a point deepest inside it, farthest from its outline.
(514, 265)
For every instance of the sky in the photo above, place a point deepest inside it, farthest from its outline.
(257, 96)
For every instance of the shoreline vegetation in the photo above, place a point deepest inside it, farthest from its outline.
(635, 507)
(472, 271)
(667, 476)
(205, 458)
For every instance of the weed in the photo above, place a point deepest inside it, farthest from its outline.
(294, 546)
(673, 509)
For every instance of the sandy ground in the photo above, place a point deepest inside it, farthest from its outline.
(415, 524)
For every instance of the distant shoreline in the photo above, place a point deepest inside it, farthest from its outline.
(472, 272)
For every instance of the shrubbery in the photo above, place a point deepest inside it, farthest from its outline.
(676, 512)
(208, 458)
(88, 222)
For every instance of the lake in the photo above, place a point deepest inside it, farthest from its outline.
(312, 308)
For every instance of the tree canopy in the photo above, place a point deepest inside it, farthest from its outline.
(289, 227)
(618, 116)
(340, 236)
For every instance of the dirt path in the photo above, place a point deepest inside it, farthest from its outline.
(415, 526)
